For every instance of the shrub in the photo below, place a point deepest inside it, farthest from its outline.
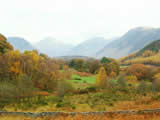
(138, 70)
(65, 104)
(92, 89)
(143, 87)
(77, 78)
(111, 86)
(122, 85)
(156, 97)
(63, 87)
(83, 91)
(131, 78)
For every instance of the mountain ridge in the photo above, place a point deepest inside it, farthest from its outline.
(20, 43)
(130, 42)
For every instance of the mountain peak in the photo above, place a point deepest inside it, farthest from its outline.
(142, 28)
(20, 43)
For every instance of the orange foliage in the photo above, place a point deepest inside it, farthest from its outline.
(112, 75)
(138, 70)
(42, 93)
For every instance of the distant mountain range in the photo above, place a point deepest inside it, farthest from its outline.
(52, 47)
(89, 47)
(20, 43)
(132, 41)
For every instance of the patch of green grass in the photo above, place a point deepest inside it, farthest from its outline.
(79, 79)
(124, 66)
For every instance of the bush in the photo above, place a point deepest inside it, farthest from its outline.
(155, 87)
(92, 89)
(63, 87)
(143, 87)
(65, 104)
(111, 86)
(139, 70)
(77, 78)
(83, 91)
(156, 97)
(122, 85)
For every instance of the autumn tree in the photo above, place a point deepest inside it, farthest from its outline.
(66, 73)
(93, 65)
(4, 45)
(78, 64)
(148, 53)
(112, 67)
(138, 70)
(101, 78)
(112, 75)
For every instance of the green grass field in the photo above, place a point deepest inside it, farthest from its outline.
(79, 79)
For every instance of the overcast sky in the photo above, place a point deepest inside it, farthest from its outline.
(73, 21)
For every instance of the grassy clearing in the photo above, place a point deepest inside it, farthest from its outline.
(79, 79)
(124, 66)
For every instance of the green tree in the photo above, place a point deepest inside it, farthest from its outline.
(105, 60)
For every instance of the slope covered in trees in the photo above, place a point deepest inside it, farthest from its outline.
(4, 45)
(150, 54)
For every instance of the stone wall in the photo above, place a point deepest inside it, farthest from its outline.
(41, 114)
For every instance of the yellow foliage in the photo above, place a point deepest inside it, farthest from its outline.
(155, 59)
(15, 68)
(148, 53)
(101, 78)
(157, 79)
(132, 79)
(112, 75)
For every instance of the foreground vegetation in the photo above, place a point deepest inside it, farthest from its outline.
(34, 82)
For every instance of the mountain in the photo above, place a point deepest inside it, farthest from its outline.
(20, 43)
(89, 47)
(150, 54)
(52, 47)
(134, 40)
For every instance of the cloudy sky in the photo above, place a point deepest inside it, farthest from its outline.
(73, 21)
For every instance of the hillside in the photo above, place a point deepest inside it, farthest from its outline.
(134, 40)
(20, 43)
(89, 47)
(150, 54)
(5, 46)
(52, 47)
(154, 47)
